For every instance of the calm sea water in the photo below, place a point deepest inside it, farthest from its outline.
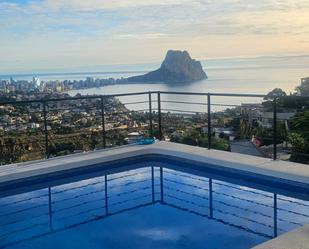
(241, 75)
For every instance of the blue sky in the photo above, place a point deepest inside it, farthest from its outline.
(18, 1)
(45, 34)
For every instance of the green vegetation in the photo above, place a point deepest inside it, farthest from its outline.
(197, 138)
(299, 137)
(76, 125)
(276, 93)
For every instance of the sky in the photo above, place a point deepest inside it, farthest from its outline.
(51, 34)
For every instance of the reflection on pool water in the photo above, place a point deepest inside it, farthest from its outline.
(146, 207)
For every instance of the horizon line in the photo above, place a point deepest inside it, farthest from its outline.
(44, 72)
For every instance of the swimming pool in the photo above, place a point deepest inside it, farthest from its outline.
(148, 202)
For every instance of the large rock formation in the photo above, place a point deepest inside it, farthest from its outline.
(177, 67)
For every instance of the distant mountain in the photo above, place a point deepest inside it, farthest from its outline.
(177, 67)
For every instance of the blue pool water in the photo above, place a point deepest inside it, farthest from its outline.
(145, 205)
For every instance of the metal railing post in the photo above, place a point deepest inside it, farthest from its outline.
(209, 120)
(50, 209)
(275, 129)
(275, 216)
(150, 114)
(152, 184)
(211, 215)
(159, 116)
(45, 130)
(105, 195)
(161, 185)
(103, 123)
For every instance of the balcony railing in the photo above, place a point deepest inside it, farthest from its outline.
(44, 128)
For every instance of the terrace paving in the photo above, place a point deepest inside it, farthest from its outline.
(251, 164)
(245, 147)
(297, 239)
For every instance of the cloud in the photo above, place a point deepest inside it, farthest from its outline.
(36, 30)
(143, 18)
(141, 36)
(95, 5)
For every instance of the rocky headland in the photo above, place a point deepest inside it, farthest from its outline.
(177, 67)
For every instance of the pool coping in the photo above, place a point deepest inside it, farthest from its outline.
(233, 161)
(296, 239)
(251, 164)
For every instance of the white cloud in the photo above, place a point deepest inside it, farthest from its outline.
(58, 31)
(141, 36)
(95, 5)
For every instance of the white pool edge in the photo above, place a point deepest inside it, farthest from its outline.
(257, 165)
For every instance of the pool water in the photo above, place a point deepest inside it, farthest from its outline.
(145, 205)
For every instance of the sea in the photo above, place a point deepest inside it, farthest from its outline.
(226, 75)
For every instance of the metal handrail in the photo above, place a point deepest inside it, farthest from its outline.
(150, 100)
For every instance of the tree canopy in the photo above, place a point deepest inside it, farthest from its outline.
(275, 93)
